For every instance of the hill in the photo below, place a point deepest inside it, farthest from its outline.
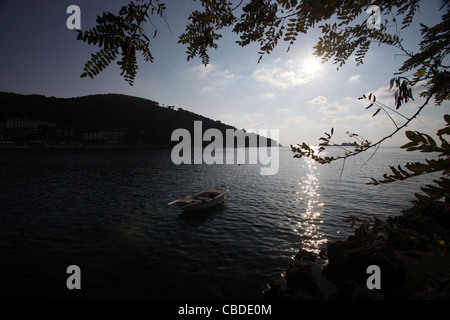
(95, 118)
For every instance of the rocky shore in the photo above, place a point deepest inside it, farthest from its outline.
(413, 259)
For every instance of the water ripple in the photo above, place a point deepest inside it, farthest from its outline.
(106, 211)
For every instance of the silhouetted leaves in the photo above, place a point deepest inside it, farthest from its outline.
(123, 35)
(369, 228)
(267, 22)
(303, 150)
(403, 93)
(376, 112)
(424, 143)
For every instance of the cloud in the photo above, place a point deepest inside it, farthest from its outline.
(354, 78)
(246, 120)
(318, 100)
(334, 108)
(384, 94)
(206, 89)
(294, 121)
(419, 88)
(214, 76)
(284, 76)
(201, 71)
(283, 110)
(265, 96)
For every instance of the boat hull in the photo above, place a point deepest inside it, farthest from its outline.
(203, 200)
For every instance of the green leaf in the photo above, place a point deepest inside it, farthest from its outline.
(420, 72)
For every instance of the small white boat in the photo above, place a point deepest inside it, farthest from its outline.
(202, 200)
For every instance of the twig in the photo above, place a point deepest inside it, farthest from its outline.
(342, 169)
(378, 146)
(395, 124)
(354, 153)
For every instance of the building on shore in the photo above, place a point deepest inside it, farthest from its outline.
(102, 136)
(18, 123)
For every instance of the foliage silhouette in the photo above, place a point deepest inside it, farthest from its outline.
(122, 34)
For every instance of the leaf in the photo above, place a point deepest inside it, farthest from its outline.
(409, 145)
(376, 112)
(430, 140)
(447, 119)
(410, 135)
(420, 137)
(445, 130)
(420, 72)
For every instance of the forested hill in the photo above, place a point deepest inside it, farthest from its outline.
(144, 121)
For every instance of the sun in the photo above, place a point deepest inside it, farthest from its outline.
(312, 66)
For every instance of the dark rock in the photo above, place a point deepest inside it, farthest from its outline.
(413, 263)
(299, 277)
(428, 222)
(440, 212)
(298, 284)
(413, 254)
(349, 260)
(351, 290)
(277, 289)
(305, 255)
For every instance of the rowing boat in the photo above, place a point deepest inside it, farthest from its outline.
(202, 200)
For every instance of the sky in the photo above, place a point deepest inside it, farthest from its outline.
(289, 91)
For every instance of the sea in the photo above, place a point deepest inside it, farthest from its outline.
(105, 210)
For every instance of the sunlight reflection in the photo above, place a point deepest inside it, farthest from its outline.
(309, 206)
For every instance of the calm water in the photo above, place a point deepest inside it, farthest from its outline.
(106, 211)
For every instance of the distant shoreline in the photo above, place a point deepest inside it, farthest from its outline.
(118, 146)
(84, 147)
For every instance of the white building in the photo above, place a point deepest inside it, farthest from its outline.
(17, 123)
(102, 136)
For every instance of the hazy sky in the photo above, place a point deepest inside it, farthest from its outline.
(288, 91)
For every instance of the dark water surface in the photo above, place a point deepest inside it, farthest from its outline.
(105, 210)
